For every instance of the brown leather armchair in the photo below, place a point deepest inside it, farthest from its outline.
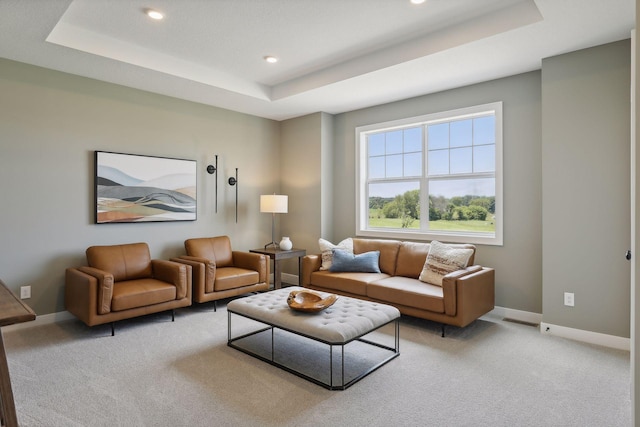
(121, 282)
(220, 272)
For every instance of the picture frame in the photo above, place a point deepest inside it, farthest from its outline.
(139, 188)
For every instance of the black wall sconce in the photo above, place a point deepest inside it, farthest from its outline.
(233, 181)
(212, 169)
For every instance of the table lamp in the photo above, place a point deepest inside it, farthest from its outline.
(273, 204)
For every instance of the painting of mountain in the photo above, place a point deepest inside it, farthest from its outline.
(136, 188)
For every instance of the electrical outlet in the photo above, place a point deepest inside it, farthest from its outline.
(569, 299)
(25, 292)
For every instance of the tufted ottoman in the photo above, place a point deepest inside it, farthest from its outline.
(347, 320)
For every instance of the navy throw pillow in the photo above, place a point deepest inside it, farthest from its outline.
(366, 262)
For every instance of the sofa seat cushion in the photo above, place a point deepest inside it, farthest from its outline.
(234, 277)
(408, 292)
(353, 283)
(141, 293)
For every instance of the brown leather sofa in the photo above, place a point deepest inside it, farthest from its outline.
(121, 282)
(220, 272)
(465, 294)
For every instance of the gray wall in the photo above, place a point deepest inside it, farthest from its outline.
(302, 181)
(327, 171)
(307, 177)
(586, 188)
(518, 262)
(50, 125)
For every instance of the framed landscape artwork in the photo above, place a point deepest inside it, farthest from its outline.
(136, 188)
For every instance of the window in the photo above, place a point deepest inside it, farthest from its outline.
(434, 177)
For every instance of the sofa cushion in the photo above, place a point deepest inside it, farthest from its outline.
(216, 249)
(407, 292)
(388, 252)
(353, 283)
(326, 248)
(442, 260)
(125, 262)
(234, 277)
(411, 259)
(141, 293)
(364, 263)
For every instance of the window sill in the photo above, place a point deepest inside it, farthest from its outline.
(475, 239)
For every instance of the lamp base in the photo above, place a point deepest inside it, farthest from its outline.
(274, 244)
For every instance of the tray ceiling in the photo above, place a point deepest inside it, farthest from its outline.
(334, 55)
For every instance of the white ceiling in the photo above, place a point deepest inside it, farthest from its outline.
(335, 55)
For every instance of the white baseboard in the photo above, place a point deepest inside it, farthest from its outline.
(597, 338)
(605, 340)
(44, 319)
(519, 315)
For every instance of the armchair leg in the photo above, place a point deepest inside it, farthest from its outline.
(173, 315)
(442, 330)
(113, 329)
(215, 308)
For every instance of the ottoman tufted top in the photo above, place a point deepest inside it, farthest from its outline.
(347, 319)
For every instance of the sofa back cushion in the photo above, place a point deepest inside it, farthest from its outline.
(388, 252)
(125, 262)
(216, 249)
(465, 246)
(411, 258)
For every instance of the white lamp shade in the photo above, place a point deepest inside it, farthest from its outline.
(274, 203)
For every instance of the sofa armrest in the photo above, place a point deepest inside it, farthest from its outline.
(81, 294)
(310, 263)
(203, 273)
(175, 273)
(194, 259)
(253, 261)
(469, 293)
(104, 287)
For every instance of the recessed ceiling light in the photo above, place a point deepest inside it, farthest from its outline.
(271, 59)
(417, 1)
(154, 14)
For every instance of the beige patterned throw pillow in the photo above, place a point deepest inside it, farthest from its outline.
(442, 260)
(326, 249)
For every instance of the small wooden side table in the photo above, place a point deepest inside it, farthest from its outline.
(277, 255)
(12, 310)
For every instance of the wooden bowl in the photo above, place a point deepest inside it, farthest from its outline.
(309, 301)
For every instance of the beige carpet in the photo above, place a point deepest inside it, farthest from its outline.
(158, 373)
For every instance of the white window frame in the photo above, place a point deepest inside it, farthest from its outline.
(362, 197)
